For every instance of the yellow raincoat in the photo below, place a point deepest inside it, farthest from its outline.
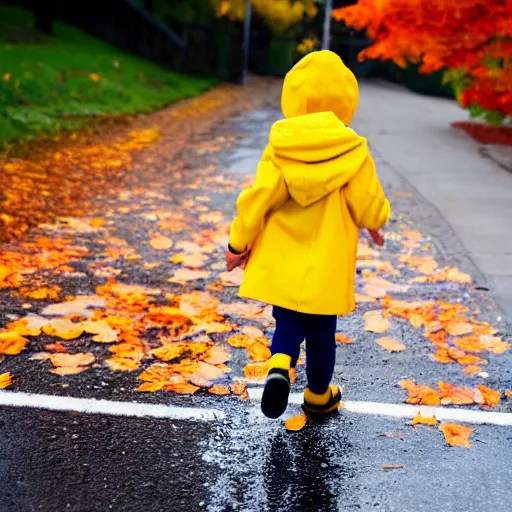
(316, 185)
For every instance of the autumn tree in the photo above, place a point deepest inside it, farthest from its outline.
(470, 39)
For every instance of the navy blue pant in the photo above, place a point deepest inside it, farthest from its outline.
(319, 331)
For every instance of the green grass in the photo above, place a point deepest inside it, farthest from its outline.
(46, 84)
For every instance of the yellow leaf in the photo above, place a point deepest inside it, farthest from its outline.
(390, 344)
(217, 355)
(456, 435)
(64, 329)
(102, 330)
(259, 351)
(5, 380)
(196, 260)
(182, 388)
(296, 423)
(427, 418)
(186, 275)
(177, 258)
(12, 343)
(256, 371)
(160, 243)
(6, 77)
(490, 397)
(459, 328)
(95, 77)
(239, 386)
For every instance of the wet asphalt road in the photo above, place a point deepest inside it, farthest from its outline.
(55, 461)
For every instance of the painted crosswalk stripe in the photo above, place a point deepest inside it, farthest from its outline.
(108, 407)
(409, 411)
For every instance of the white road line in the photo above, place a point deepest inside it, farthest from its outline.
(109, 407)
(409, 411)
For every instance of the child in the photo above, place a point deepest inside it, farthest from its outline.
(316, 186)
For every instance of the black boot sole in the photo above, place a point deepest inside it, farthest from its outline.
(275, 396)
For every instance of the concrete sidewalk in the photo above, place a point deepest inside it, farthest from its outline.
(473, 193)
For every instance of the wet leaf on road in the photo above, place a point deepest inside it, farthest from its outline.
(12, 343)
(376, 322)
(456, 435)
(296, 423)
(390, 344)
(343, 338)
(161, 243)
(219, 390)
(5, 380)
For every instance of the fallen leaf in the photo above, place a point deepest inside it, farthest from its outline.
(12, 343)
(102, 330)
(45, 293)
(55, 347)
(196, 260)
(72, 360)
(459, 328)
(296, 423)
(160, 243)
(455, 395)
(361, 299)
(209, 371)
(343, 338)
(186, 275)
(63, 328)
(376, 322)
(456, 435)
(233, 278)
(472, 370)
(390, 344)
(425, 416)
(387, 434)
(182, 389)
(5, 380)
(256, 371)
(219, 390)
(122, 364)
(217, 355)
(419, 394)
(393, 466)
(259, 351)
(239, 386)
(151, 266)
(151, 387)
(79, 306)
(490, 397)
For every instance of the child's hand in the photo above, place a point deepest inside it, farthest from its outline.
(377, 237)
(236, 260)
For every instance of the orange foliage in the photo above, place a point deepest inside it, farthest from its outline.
(473, 37)
(456, 435)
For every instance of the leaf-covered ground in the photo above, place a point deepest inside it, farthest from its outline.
(120, 286)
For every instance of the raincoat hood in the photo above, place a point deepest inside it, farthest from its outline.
(316, 154)
(320, 82)
(314, 148)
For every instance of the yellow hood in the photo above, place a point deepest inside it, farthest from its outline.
(316, 154)
(320, 82)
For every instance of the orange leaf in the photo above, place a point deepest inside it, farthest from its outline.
(186, 275)
(459, 328)
(296, 423)
(424, 420)
(219, 390)
(45, 293)
(455, 396)
(97, 222)
(208, 371)
(55, 347)
(122, 364)
(239, 340)
(238, 387)
(151, 387)
(72, 360)
(217, 355)
(390, 344)
(160, 243)
(456, 435)
(472, 370)
(420, 394)
(5, 380)
(233, 278)
(12, 343)
(360, 298)
(490, 397)
(196, 260)
(343, 338)
(256, 371)
(102, 330)
(63, 328)
(375, 322)
(259, 352)
(182, 389)
(392, 466)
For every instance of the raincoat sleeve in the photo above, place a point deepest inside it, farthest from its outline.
(366, 200)
(255, 203)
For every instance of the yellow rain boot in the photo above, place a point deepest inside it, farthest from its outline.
(326, 403)
(277, 386)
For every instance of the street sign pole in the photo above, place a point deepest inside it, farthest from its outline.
(327, 25)
(247, 39)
